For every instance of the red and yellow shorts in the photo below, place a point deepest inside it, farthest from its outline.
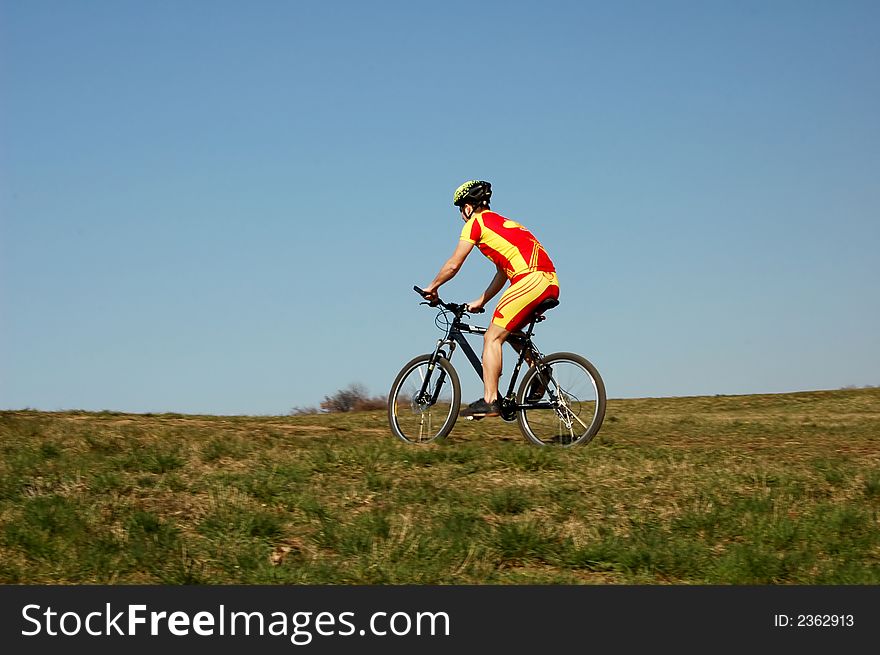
(524, 294)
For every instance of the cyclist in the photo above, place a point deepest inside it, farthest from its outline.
(519, 258)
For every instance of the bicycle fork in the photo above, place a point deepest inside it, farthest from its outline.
(432, 364)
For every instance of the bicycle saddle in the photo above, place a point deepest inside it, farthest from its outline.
(545, 305)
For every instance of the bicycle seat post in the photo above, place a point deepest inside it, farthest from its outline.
(545, 305)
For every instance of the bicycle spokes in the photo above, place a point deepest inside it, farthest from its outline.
(424, 400)
(572, 404)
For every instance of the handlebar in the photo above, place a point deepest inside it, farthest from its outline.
(456, 309)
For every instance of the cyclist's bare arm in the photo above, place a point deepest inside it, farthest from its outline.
(492, 290)
(449, 269)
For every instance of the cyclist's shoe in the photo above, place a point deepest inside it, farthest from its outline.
(481, 409)
(538, 387)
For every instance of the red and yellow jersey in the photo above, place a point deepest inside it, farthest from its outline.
(507, 243)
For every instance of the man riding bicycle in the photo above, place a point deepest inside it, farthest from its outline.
(519, 258)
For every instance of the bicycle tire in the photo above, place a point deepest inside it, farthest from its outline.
(414, 421)
(574, 403)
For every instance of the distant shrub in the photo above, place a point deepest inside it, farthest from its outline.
(353, 398)
(368, 404)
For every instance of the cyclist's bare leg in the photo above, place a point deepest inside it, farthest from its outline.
(492, 342)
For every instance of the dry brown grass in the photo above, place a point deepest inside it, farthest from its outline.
(767, 489)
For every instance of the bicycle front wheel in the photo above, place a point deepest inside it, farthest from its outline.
(572, 407)
(424, 401)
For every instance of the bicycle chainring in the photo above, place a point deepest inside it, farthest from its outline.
(508, 410)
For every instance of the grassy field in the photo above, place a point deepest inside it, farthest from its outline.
(773, 489)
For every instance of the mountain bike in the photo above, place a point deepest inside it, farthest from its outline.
(560, 401)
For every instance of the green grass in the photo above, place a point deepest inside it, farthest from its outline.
(731, 490)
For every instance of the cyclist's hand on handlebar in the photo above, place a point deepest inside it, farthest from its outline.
(429, 294)
(475, 307)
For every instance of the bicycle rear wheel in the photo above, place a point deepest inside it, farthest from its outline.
(572, 407)
(420, 413)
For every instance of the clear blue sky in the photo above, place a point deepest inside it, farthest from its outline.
(221, 207)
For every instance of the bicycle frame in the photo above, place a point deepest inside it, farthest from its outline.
(455, 337)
